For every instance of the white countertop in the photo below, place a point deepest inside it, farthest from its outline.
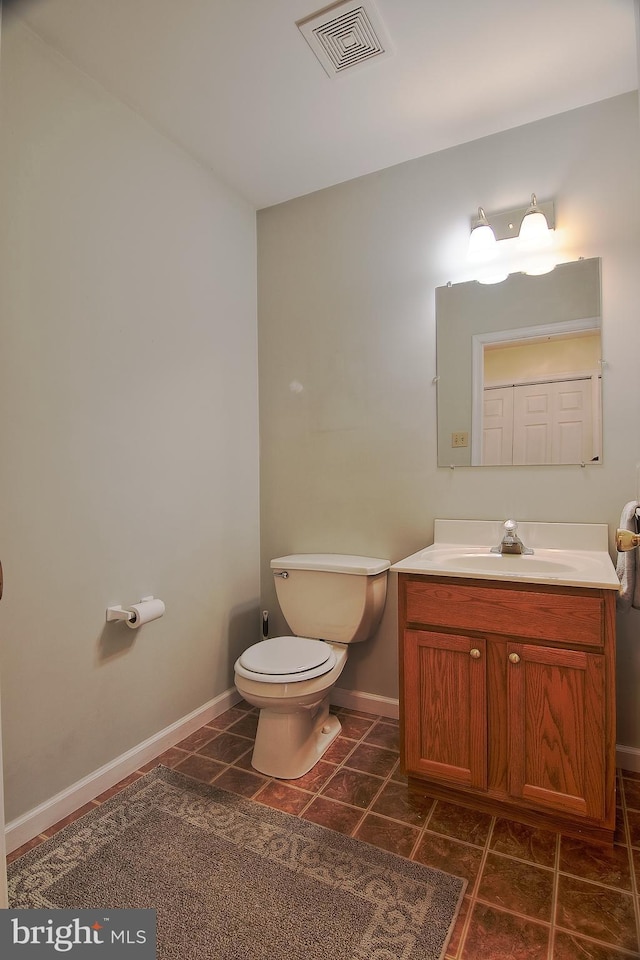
(571, 554)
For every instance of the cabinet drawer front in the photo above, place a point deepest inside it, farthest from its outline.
(526, 613)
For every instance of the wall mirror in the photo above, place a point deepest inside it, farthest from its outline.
(519, 369)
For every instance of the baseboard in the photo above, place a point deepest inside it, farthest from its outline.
(628, 758)
(367, 702)
(33, 822)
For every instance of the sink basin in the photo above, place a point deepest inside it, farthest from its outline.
(587, 564)
(522, 565)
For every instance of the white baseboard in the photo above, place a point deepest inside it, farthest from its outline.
(33, 822)
(367, 702)
(628, 758)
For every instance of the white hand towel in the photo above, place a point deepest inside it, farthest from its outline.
(627, 564)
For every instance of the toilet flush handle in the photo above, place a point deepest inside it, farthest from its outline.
(283, 574)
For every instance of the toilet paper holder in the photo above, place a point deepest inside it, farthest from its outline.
(117, 613)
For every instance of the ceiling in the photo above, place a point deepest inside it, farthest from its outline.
(235, 83)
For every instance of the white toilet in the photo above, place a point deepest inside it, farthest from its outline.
(329, 601)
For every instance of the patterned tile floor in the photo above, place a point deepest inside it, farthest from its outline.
(532, 894)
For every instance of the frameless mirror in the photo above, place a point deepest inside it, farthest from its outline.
(519, 369)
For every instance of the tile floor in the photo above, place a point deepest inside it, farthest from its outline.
(532, 893)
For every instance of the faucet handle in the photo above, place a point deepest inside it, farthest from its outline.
(511, 526)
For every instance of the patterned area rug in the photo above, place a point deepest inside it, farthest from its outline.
(234, 879)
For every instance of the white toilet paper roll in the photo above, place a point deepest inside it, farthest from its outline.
(145, 611)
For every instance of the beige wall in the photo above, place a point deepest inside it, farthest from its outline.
(546, 359)
(128, 385)
(346, 281)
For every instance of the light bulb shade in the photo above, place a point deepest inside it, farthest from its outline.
(492, 275)
(536, 266)
(482, 242)
(534, 229)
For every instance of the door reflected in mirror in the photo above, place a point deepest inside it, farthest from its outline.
(531, 349)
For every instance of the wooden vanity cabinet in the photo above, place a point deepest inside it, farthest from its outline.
(508, 698)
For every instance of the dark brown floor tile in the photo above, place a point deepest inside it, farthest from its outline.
(347, 711)
(630, 774)
(243, 705)
(200, 768)
(197, 739)
(597, 862)
(456, 936)
(527, 843)
(283, 797)
(398, 838)
(472, 826)
(514, 885)
(443, 853)
(398, 775)
(339, 750)
(633, 819)
(315, 778)
(334, 815)
(495, 935)
(620, 831)
(631, 793)
(172, 757)
(29, 845)
(80, 812)
(246, 727)
(396, 801)
(117, 787)
(568, 947)
(595, 911)
(371, 759)
(349, 786)
(240, 781)
(226, 718)
(635, 856)
(244, 762)
(385, 735)
(226, 748)
(354, 728)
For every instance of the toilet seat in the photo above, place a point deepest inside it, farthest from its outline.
(286, 660)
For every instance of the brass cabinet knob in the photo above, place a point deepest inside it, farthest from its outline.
(475, 653)
(514, 658)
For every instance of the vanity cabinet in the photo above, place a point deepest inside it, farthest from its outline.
(507, 698)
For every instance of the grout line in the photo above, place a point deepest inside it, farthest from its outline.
(627, 834)
(554, 895)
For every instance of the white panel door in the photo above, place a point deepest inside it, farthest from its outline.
(497, 426)
(532, 423)
(552, 422)
(573, 422)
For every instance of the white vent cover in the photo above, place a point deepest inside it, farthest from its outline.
(345, 34)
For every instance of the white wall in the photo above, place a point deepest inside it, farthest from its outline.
(346, 281)
(128, 385)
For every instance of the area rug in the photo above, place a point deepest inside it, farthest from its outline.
(234, 880)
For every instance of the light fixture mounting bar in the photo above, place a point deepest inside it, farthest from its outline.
(506, 224)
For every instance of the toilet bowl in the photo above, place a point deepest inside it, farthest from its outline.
(290, 678)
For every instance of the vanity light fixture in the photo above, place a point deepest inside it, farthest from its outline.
(482, 242)
(534, 229)
(530, 231)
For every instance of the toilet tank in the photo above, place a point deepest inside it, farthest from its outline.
(330, 596)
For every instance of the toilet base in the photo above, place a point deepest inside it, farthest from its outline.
(288, 745)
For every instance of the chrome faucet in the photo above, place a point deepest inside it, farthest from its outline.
(511, 542)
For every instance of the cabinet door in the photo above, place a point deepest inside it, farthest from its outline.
(445, 708)
(556, 728)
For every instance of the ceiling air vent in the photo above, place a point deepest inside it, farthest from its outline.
(345, 35)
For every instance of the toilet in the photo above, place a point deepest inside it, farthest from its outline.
(329, 601)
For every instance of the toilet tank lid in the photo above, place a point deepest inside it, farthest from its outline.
(332, 563)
